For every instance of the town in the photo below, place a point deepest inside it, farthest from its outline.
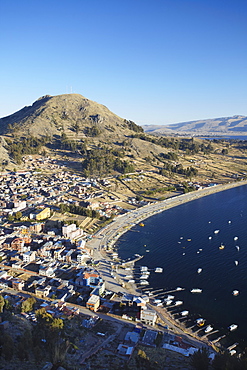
(47, 253)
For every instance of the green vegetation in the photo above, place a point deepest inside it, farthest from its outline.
(102, 161)
(25, 145)
(178, 168)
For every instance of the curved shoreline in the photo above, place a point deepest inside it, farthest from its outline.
(109, 234)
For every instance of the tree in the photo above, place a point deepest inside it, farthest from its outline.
(224, 151)
(18, 215)
(2, 303)
(28, 304)
(200, 360)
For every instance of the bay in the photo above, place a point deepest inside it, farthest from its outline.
(183, 239)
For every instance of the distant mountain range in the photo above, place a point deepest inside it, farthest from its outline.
(236, 125)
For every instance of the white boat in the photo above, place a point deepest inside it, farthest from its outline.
(158, 269)
(229, 222)
(144, 277)
(178, 303)
(157, 301)
(200, 322)
(216, 231)
(179, 288)
(208, 329)
(237, 247)
(168, 301)
(170, 296)
(232, 327)
(210, 237)
(144, 268)
(196, 290)
(236, 263)
(144, 282)
(184, 313)
(199, 270)
(235, 292)
(235, 238)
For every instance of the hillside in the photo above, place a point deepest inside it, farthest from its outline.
(236, 125)
(87, 138)
(69, 113)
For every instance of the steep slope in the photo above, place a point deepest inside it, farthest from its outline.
(69, 113)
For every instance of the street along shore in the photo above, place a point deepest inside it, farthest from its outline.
(106, 238)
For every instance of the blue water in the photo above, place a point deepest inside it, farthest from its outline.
(166, 237)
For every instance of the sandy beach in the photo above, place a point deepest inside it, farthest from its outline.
(107, 236)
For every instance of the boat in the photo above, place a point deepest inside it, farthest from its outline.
(199, 270)
(144, 277)
(232, 327)
(179, 288)
(216, 231)
(196, 290)
(147, 250)
(229, 222)
(144, 282)
(237, 247)
(236, 263)
(208, 329)
(141, 224)
(184, 313)
(200, 322)
(221, 246)
(157, 301)
(170, 296)
(235, 238)
(189, 240)
(158, 269)
(144, 268)
(235, 292)
(168, 301)
(210, 237)
(178, 303)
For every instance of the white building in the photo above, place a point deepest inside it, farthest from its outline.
(29, 256)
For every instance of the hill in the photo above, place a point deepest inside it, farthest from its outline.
(69, 113)
(236, 125)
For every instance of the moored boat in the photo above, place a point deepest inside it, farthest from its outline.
(200, 322)
(235, 292)
(208, 329)
(232, 327)
(196, 290)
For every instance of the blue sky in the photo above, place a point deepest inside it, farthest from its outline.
(154, 62)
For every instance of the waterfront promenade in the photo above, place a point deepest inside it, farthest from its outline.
(108, 235)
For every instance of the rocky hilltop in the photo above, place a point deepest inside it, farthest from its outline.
(236, 125)
(69, 113)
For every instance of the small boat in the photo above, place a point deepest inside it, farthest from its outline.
(178, 303)
(232, 327)
(235, 238)
(236, 263)
(168, 302)
(158, 269)
(221, 246)
(141, 224)
(184, 313)
(235, 292)
(196, 290)
(229, 222)
(179, 288)
(189, 240)
(183, 254)
(147, 250)
(200, 322)
(216, 231)
(170, 296)
(144, 282)
(208, 329)
(237, 247)
(210, 237)
(181, 237)
(199, 270)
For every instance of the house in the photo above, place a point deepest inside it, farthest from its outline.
(46, 271)
(29, 256)
(17, 284)
(41, 215)
(93, 302)
(42, 292)
(124, 350)
(148, 316)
